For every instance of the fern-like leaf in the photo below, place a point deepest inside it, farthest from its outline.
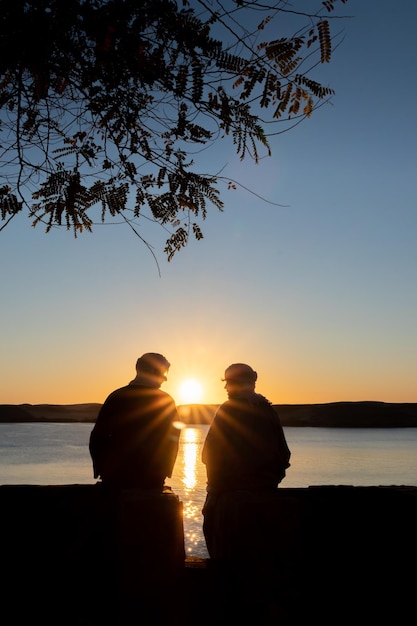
(325, 41)
(178, 240)
(282, 51)
(316, 88)
(282, 106)
(9, 204)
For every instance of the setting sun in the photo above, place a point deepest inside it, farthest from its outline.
(190, 391)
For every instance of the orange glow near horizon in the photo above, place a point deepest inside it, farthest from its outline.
(82, 381)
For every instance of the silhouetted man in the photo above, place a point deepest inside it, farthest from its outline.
(245, 447)
(134, 442)
(246, 457)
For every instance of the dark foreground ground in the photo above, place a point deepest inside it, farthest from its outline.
(78, 555)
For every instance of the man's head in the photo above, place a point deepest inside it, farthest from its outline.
(153, 365)
(239, 376)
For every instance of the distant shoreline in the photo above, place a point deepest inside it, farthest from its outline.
(366, 414)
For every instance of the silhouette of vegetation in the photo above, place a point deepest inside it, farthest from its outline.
(106, 104)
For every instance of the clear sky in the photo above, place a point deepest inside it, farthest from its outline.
(319, 295)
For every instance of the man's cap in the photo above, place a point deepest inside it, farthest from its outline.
(240, 372)
(152, 362)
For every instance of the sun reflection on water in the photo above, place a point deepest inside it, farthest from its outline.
(190, 438)
(188, 481)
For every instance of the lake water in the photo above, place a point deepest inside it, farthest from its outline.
(52, 454)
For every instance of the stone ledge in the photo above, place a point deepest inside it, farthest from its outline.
(69, 558)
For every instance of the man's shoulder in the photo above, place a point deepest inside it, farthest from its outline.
(224, 406)
(118, 392)
(137, 394)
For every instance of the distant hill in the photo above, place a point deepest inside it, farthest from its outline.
(49, 412)
(367, 414)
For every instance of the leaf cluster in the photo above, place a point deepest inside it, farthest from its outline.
(106, 104)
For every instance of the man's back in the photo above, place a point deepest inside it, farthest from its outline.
(245, 447)
(134, 442)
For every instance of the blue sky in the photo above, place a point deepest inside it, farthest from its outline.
(316, 291)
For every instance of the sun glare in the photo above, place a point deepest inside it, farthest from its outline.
(190, 392)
